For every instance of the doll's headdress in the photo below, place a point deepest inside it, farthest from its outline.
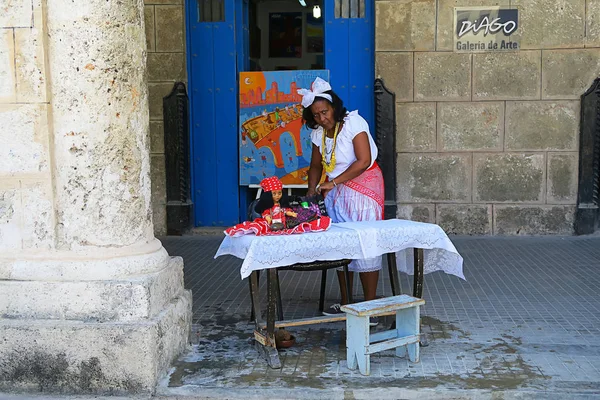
(272, 183)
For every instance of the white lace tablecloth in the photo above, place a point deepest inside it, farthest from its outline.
(349, 240)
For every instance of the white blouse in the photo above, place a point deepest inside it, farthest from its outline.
(344, 150)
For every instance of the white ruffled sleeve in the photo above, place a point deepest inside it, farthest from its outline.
(316, 136)
(355, 124)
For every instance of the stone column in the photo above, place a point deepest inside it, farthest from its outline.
(89, 300)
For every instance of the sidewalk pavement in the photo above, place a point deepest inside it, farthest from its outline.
(525, 325)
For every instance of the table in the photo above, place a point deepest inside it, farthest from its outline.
(349, 240)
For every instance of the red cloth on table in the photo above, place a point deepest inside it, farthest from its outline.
(260, 227)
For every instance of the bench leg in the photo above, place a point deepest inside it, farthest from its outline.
(408, 324)
(357, 339)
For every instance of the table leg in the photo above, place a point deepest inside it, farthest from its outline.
(270, 354)
(278, 294)
(348, 285)
(418, 274)
(394, 280)
(393, 270)
(271, 301)
(418, 286)
(255, 299)
(270, 350)
(265, 344)
(322, 293)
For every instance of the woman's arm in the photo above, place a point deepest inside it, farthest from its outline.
(362, 151)
(314, 171)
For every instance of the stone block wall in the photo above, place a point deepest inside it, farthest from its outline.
(165, 38)
(488, 142)
(26, 196)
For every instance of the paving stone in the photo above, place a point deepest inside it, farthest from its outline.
(509, 327)
(405, 25)
(16, 14)
(7, 66)
(547, 24)
(166, 67)
(563, 169)
(169, 28)
(442, 76)
(507, 76)
(150, 28)
(396, 70)
(567, 74)
(508, 177)
(427, 177)
(417, 212)
(471, 126)
(542, 125)
(417, 130)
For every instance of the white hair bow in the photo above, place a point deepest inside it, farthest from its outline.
(319, 87)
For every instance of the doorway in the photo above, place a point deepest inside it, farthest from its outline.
(226, 37)
(285, 35)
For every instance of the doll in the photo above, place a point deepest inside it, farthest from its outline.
(275, 216)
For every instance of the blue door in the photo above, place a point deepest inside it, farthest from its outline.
(212, 74)
(218, 39)
(349, 53)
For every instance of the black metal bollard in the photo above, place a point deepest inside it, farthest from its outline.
(177, 160)
(587, 217)
(385, 129)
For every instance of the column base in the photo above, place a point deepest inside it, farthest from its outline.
(92, 357)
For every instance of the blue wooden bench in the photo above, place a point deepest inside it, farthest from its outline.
(360, 344)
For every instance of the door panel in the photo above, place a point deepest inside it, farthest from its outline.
(218, 36)
(212, 75)
(349, 53)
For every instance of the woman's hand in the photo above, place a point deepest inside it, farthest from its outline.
(314, 171)
(327, 186)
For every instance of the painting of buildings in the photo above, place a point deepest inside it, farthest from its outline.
(273, 138)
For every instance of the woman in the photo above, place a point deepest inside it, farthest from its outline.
(353, 190)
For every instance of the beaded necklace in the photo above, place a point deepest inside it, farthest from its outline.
(329, 166)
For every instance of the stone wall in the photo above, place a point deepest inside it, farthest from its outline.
(165, 38)
(488, 142)
(26, 197)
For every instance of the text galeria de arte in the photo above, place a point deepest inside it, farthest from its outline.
(487, 46)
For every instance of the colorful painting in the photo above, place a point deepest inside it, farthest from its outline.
(273, 139)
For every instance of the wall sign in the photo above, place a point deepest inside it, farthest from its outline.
(486, 29)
